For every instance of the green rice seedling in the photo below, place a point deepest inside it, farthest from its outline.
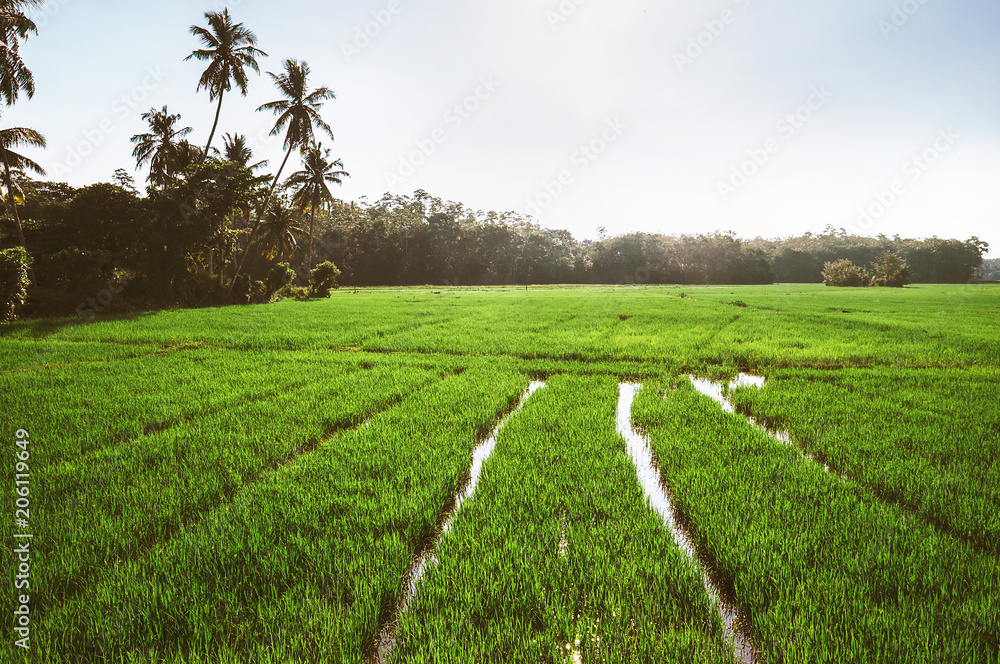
(798, 325)
(26, 354)
(556, 558)
(825, 571)
(927, 440)
(302, 564)
(113, 506)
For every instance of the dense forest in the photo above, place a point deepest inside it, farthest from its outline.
(211, 229)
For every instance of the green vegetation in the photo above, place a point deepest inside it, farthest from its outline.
(924, 444)
(826, 571)
(14, 269)
(256, 483)
(307, 556)
(845, 273)
(889, 270)
(204, 486)
(556, 553)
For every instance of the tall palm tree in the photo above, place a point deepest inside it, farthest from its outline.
(230, 51)
(278, 231)
(15, 26)
(235, 148)
(298, 112)
(313, 192)
(161, 147)
(12, 138)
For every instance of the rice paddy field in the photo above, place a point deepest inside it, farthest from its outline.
(597, 474)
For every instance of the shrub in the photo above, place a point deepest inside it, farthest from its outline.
(845, 273)
(890, 270)
(249, 291)
(298, 292)
(14, 282)
(278, 277)
(323, 278)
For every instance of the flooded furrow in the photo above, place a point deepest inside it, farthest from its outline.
(658, 495)
(386, 640)
(717, 392)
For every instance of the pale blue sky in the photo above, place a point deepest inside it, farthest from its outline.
(667, 120)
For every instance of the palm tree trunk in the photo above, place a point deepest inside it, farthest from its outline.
(13, 211)
(218, 111)
(309, 252)
(10, 198)
(312, 221)
(260, 215)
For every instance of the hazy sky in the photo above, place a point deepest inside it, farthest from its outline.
(765, 117)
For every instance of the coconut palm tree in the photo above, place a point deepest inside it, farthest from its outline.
(187, 154)
(161, 147)
(298, 111)
(230, 51)
(235, 148)
(278, 230)
(9, 139)
(15, 26)
(313, 192)
(298, 116)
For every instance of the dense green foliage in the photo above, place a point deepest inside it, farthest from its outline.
(323, 279)
(890, 270)
(845, 273)
(181, 244)
(14, 266)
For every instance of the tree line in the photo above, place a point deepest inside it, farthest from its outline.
(106, 237)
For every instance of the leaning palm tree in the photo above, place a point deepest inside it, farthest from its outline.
(278, 230)
(14, 27)
(297, 114)
(161, 147)
(313, 192)
(12, 138)
(230, 51)
(298, 111)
